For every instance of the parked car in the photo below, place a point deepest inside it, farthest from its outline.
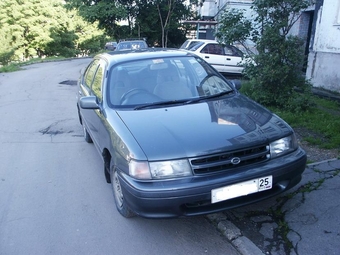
(132, 45)
(178, 139)
(110, 46)
(224, 58)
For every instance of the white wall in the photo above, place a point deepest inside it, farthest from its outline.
(324, 57)
(211, 8)
(327, 35)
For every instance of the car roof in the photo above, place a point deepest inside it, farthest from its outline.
(115, 57)
(132, 41)
(202, 40)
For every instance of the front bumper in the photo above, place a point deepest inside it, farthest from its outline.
(192, 196)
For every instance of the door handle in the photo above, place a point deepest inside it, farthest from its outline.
(206, 57)
(228, 58)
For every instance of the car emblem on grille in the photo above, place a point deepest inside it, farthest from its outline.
(235, 161)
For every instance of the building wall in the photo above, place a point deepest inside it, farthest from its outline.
(324, 53)
(213, 9)
(236, 4)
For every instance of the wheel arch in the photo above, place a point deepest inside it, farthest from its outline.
(107, 162)
(79, 115)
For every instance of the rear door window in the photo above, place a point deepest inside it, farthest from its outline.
(98, 82)
(90, 73)
(215, 49)
(232, 51)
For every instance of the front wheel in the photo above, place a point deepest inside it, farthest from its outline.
(121, 205)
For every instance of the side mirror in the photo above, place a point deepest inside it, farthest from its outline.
(237, 84)
(88, 102)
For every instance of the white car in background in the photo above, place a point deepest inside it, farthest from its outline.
(225, 59)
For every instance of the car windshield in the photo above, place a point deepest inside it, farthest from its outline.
(195, 46)
(164, 81)
(189, 44)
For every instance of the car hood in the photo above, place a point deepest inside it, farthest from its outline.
(203, 128)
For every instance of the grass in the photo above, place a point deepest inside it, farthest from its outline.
(320, 125)
(10, 68)
(17, 66)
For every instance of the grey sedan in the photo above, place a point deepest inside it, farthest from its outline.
(178, 139)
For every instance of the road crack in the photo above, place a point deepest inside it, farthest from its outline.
(268, 229)
(54, 129)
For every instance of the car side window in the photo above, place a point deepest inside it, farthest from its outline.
(218, 49)
(232, 51)
(213, 49)
(228, 51)
(90, 73)
(97, 83)
(207, 49)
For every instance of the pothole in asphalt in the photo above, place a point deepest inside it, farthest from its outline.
(69, 82)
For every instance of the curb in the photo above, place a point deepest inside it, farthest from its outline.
(328, 94)
(321, 162)
(241, 243)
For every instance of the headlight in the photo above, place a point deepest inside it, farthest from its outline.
(159, 170)
(283, 146)
(170, 169)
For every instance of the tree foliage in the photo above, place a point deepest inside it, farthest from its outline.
(42, 28)
(275, 71)
(39, 28)
(160, 21)
(156, 20)
(106, 12)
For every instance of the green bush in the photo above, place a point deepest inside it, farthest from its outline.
(92, 45)
(6, 57)
(62, 43)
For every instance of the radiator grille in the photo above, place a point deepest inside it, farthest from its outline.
(223, 161)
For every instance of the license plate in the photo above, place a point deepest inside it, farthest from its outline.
(241, 189)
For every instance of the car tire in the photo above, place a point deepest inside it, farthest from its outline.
(87, 136)
(122, 207)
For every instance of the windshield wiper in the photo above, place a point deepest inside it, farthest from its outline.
(209, 97)
(182, 101)
(162, 103)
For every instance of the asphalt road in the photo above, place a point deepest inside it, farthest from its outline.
(53, 194)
